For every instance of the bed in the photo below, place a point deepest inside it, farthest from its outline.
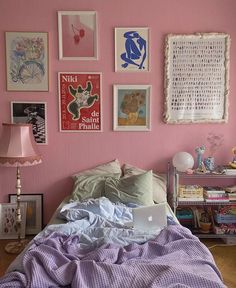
(88, 243)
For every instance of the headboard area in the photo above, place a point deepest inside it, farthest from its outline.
(120, 183)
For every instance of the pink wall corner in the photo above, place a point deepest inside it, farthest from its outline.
(67, 153)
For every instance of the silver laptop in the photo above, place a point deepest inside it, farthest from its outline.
(149, 218)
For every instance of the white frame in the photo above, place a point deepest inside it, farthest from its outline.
(3, 234)
(60, 102)
(95, 39)
(120, 48)
(13, 120)
(197, 78)
(38, 213)
(26, 58)
(116, 126)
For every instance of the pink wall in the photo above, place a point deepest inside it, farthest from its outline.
(67, 153)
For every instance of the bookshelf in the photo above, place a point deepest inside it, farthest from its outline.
(176, 179)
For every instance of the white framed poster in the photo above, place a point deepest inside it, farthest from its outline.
(77, 35)
(132, 49)
(8, 221)
(27, 61)
(80, 104)
(131, 108)
(197, 78)
(34, 113)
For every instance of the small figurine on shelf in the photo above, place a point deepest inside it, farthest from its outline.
(200, 165)
(233, 162)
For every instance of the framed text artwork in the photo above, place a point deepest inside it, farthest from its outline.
(34, 211)
(8, 223)
(80, 101)
(197, 78)
(27, 61)
(34, 113)
(131, 107)
(77, 35)
(131, 49)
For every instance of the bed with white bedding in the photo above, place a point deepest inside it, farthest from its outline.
(88, 244)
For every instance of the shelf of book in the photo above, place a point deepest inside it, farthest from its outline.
(211, 235)
(213, 202)
(205, 175)
(203, 203)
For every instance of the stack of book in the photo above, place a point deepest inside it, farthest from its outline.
(192, 193)
(228, 170)
(215, 194)
(231, 191)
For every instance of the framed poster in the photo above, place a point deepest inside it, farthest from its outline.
(8, 223)
(80, 101)
(131, 107)
(131, 49)
(197, 78)
(34, 211)
(34, 113)
(77, 35)
(27, 61)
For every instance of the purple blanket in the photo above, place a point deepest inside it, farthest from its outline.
(175, 258)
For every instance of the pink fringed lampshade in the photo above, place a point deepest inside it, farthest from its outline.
(17, 146)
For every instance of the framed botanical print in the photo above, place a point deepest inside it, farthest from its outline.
(80, 101)
(34, 211)
(27, 61)
(197, 78)
(131, 49)
(34, 113)
(8, 224)
(131, 108)
(77, 35)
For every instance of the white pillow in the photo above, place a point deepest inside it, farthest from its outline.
(91, 183)
(159, 182)
(135, 189)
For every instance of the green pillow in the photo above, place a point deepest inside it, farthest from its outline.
(90, 183)
(134, 189)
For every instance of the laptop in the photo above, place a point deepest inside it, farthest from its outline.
(149, 218)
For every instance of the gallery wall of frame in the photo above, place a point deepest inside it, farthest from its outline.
(196, 86)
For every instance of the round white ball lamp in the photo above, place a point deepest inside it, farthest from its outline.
(183, 161)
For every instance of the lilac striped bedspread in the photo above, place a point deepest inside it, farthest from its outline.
(175, 258)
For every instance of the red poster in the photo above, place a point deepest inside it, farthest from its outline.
(80, 101)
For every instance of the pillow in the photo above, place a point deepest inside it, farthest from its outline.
(90, 183)
(159, 182)
(134, 189)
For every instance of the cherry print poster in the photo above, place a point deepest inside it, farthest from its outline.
(80, 101)
(77, 35)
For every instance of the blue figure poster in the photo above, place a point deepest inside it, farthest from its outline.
(131, 49)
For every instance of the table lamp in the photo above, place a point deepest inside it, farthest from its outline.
(18, 148)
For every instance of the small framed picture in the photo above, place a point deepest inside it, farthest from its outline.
(77, 35)
(34, 212)
(31, 113)
(131, 49)
(80, 101)
(131, 107)
(8, 224)
(27, 61)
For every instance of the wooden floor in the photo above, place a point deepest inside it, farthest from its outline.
(5, 258)
(225, 258)
(224, 255)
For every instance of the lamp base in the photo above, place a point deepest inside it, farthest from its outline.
(16, 247)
